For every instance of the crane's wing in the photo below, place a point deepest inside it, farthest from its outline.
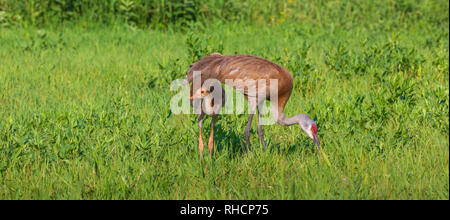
(207, 66)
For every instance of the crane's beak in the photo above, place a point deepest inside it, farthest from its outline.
(194, 97)
(316, 142)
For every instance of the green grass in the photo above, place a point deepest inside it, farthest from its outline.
(85, 114)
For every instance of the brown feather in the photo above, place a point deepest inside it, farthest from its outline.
(243, 67)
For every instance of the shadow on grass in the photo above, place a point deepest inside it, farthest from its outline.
(231, 141)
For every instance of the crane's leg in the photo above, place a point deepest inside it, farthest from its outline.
(211, 136)
(260, 130)
(200, 139)
(252, 107)
(247, 131)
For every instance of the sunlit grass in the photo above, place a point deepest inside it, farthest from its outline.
(85, 114)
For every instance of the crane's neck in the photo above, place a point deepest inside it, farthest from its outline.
(210, 107)
(284, 121)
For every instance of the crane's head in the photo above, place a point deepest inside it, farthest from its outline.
(213, 98)
(200, 93)
(309, 126)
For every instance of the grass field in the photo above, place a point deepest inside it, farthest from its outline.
(85, 114)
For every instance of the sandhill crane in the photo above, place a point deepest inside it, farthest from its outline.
(252, 68)
(210, 106)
